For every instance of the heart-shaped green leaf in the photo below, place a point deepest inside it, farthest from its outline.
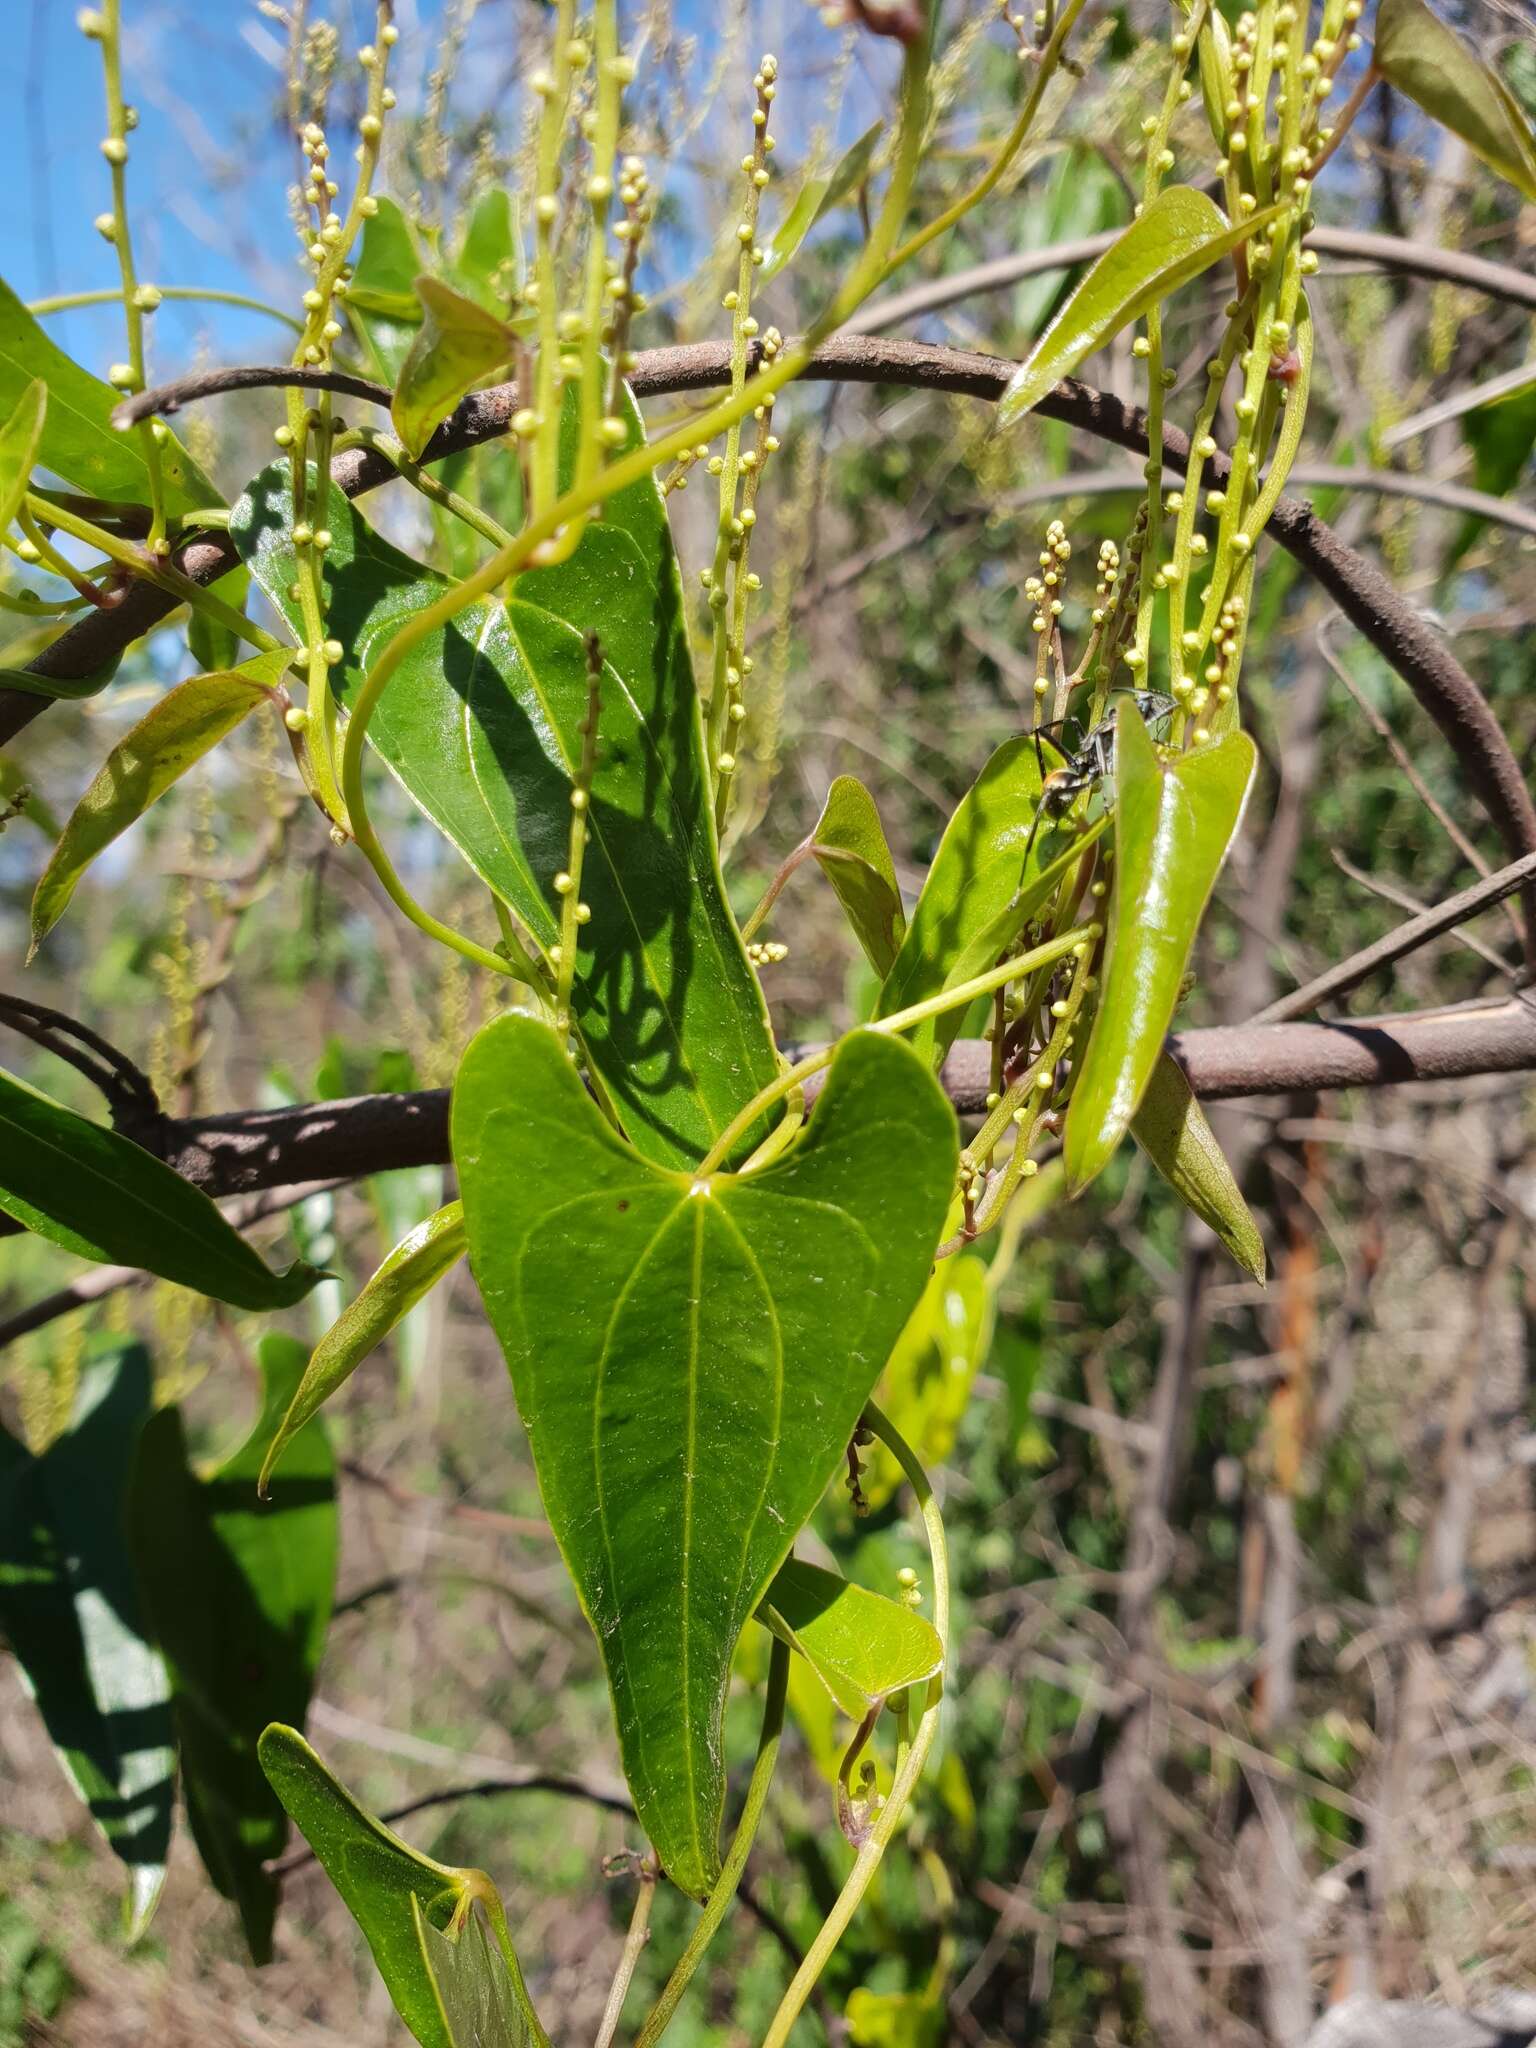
(1180, 234)
(1423, 58)
(482, 725)
(70, 1614)
(1174, 821)
(458, 344)
(1173, 1131)
(240, 1596)
(690, 1358)
(995, 866)
(849, 846)
(78, 441)
(861, 1646)
(166, 742)
(105, 1198)
(409, 1273)
(19, 441)
(389, 1888)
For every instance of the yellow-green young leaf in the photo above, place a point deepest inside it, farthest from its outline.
(381, 299)
(1174, 821)
(79, 441)
(861, 1646)
(1424, 59)
(818, 197)
(490, 259)
(70, 1616)
(240, 1596)
(389, 1888)
(851, 850)
(1180, 234)
(19, 439)
(1171, 1128)
(481, 1998)
(166, 742)
(895, 2019)
(981, 888)
(102, 1197)
(690, 1358)
(928, 1379)
(459, 343)
(410, 1272)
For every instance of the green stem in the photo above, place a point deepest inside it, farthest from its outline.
(892, 1812)
(726, 1884)
(423, 480)
(66, 302)
(634, 1942)
(116, 151)
(900, 1020)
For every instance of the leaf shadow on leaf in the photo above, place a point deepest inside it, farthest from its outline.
(637, 876)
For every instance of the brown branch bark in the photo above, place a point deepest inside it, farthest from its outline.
(1361, 591)
(365, 1134)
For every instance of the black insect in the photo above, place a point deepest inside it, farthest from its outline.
(1089, 755)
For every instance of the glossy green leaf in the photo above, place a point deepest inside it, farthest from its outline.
(1172, 1129)
(861, 1646)
(56, 687)
(981, 888)
(820, 195)
(490, 260)
(1174, 821)
(690, 1359)
(481, 2000)
(19, 441)
(927, 1381)
(69, 1611)
(1423, 58)
(388, 1887)
(105, 1198)
(78, 441)
(1179, 235)
(482, 725)
(895, 2019)
(381, 299)
(184, 725)
(407, 1275)
(850, 847)
(240, 1598)
(457, 346)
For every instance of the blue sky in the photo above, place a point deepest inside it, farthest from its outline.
(211, 161)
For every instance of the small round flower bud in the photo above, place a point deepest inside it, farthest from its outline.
(106, 226)
(115, 150)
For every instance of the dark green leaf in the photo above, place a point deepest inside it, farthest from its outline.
(481, 1997)
(1423, 58)
(820, 194)
(1174, 821)
(387, 1886)
(70, 1613)
(166, 742)
(981, 889)
(240, 1597)
(861, 1646)
(457, 345)
(60, 686)
(105, 1198)
(851, 849)
(78, 441)
(1171, 1128)
(481, 724)
(690, 1358)
(19, 441)
(1180, 234)
(408, 1274)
